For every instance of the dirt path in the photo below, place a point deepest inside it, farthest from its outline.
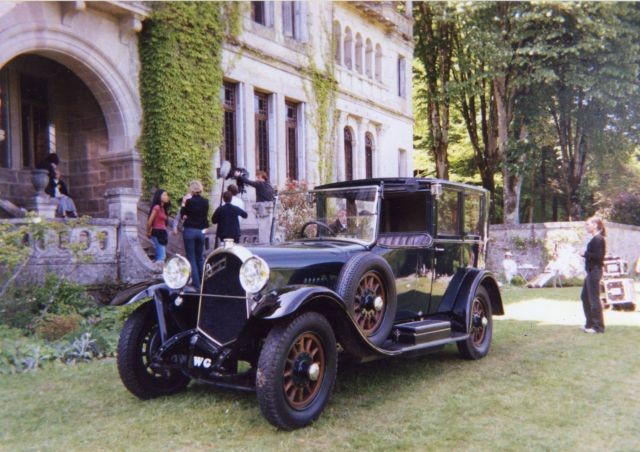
(563, 313)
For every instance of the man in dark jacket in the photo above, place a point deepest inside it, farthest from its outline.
(264, 190)
(226, 217)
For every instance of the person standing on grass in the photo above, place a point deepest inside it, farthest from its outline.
(593, 263)
(157, 223)
(195, 212)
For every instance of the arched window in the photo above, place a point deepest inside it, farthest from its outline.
(368, 151)
(337, 42)
(348, 154)
(402, 77)
(368, 59)
(348, 48)
(359, 65)
(378, 73)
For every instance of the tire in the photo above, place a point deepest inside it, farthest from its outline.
(139, 340)
(365, 279)
(477, 345)
(289, 397)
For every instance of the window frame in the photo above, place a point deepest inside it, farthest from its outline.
(261, 121)
(291, 138)
(229, 151)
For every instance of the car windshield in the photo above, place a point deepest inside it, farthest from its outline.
(344, 214)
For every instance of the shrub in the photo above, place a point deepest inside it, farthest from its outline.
(55, 326)
(626, 209)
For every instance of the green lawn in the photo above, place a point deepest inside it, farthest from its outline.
(542, 387)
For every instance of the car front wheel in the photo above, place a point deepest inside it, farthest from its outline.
(139, 340)
(477, 344)
(297, 371)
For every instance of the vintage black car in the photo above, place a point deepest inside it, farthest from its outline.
(363, 269)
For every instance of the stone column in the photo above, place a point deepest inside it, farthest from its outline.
(264, 216)
(340, 171)
(122, 203)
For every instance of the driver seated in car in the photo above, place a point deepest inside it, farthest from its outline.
(340, 224)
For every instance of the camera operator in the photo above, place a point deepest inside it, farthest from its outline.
(264, 190)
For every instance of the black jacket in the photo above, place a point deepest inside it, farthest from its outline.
(226, 217)
(62, 187)
(196, 210)
(594, 255)
(264, 191)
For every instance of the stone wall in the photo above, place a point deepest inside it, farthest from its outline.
(536, 244)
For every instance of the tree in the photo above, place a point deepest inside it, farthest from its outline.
(435, 33)
(587, 56)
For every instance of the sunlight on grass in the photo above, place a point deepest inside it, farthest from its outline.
(544, 386)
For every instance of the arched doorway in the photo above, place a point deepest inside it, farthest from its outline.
(102, 95)
(50, 110)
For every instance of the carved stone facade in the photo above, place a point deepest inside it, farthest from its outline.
(69, 85)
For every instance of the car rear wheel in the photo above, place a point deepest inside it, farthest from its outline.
(478, 343)
(367, 285)
(139, 340)
(297, 371)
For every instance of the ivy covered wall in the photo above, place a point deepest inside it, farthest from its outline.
(180, 80)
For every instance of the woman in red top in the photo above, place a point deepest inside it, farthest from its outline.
(157, 223)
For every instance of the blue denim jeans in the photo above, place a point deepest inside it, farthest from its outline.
(161, 250)
(194, 249)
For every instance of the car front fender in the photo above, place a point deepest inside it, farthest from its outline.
(137, 292)
(286, 301)
(292, 299)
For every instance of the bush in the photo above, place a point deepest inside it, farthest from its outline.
(56, 321)
(626, 209)
(55, 326)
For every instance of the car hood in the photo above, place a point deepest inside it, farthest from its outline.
(304, 254)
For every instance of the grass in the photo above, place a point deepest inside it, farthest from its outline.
(542, 387)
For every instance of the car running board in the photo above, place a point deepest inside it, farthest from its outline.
(423, 334)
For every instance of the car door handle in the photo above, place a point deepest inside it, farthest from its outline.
(438, 250)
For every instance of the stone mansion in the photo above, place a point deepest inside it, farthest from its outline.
(69, 85)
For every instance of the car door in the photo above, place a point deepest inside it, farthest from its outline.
(448, 243)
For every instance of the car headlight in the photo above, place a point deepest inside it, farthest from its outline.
(254, 274)
(176, 272)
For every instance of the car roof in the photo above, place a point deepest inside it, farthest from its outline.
(410, 183)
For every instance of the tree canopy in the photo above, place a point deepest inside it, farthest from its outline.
(548, 94)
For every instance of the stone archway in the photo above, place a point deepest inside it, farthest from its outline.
(110, 78)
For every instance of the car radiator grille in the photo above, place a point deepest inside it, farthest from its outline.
(223, 306)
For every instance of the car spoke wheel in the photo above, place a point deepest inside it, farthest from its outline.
(478, 322)
(139, 340)
(369, 303)
(367, 286)
(304, 371)
(480, 327)
(297, 371)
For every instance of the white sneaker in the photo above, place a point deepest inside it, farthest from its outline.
(590, 331)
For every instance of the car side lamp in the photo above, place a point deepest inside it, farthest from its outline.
(436, 190)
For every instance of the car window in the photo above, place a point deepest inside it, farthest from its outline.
(448, 213)
(472, 214)
(405, 212)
